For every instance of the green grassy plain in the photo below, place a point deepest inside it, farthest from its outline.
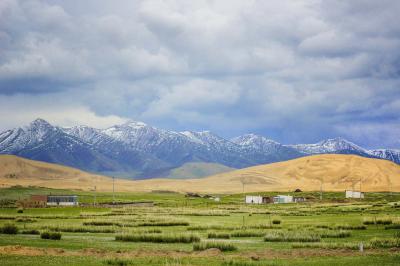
(89, 232)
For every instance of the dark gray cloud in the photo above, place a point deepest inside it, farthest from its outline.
(297, 71)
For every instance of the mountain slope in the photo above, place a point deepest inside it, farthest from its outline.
(337, 172)
(19, 171)
(197, 170)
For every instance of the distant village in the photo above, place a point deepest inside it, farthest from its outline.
(72, 200)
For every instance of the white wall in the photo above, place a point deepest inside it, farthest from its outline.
(354, 194)
(254, 199)
(62, 204)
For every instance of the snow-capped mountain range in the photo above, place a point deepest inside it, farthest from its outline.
(135, 149)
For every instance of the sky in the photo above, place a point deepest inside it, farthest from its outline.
(293, 71)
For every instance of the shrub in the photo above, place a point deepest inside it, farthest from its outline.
(31, 232)
(51, 235)
(10, 229)
(219, 235)
(291, 236)
(20, 211)
(157, 238)
(219, 245)
(276, 221)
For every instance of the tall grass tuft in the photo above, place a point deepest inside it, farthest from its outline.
(246, 233)
(383, 221)
(101, 223)
(334, 233)
(219, 245)
(30, 232)
(218, 235)
(393, 242)
(158, 238)
(76, 229)
(328, 245)
(291, 236)
(164, 223)
(392, 226)
(24, 220)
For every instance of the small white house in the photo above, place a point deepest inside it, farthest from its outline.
(254, 199)
(283, 199)
(354, 194)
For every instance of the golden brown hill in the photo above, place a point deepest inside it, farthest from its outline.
(335, 172)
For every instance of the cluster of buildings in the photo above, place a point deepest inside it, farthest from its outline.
(250, 199)
(51, 200)
(275, 199)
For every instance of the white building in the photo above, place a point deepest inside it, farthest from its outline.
(283, 199)
(64, 200)
(354, 194)
(254, 199)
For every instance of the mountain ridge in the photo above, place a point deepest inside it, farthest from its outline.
(136, 149)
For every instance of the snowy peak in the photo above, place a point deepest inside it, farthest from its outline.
(387, 154)
(206, 138)
(19, 138)
(134, 124)
(336, 145)
(255, 141)
(85, 133)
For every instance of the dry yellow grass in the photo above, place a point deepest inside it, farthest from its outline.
(335, 172)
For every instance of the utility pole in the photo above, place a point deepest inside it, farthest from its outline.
(320, 196)
(113, 191)
(95, 200)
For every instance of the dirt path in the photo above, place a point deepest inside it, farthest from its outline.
(255, 255)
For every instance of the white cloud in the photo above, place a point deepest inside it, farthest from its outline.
(269, 66)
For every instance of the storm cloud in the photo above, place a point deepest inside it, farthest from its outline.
(294, 71)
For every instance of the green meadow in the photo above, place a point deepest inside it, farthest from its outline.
(180, 230)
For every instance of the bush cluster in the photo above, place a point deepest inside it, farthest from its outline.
(51, 235)
(10, 229)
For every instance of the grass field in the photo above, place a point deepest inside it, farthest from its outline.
(179, 230)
